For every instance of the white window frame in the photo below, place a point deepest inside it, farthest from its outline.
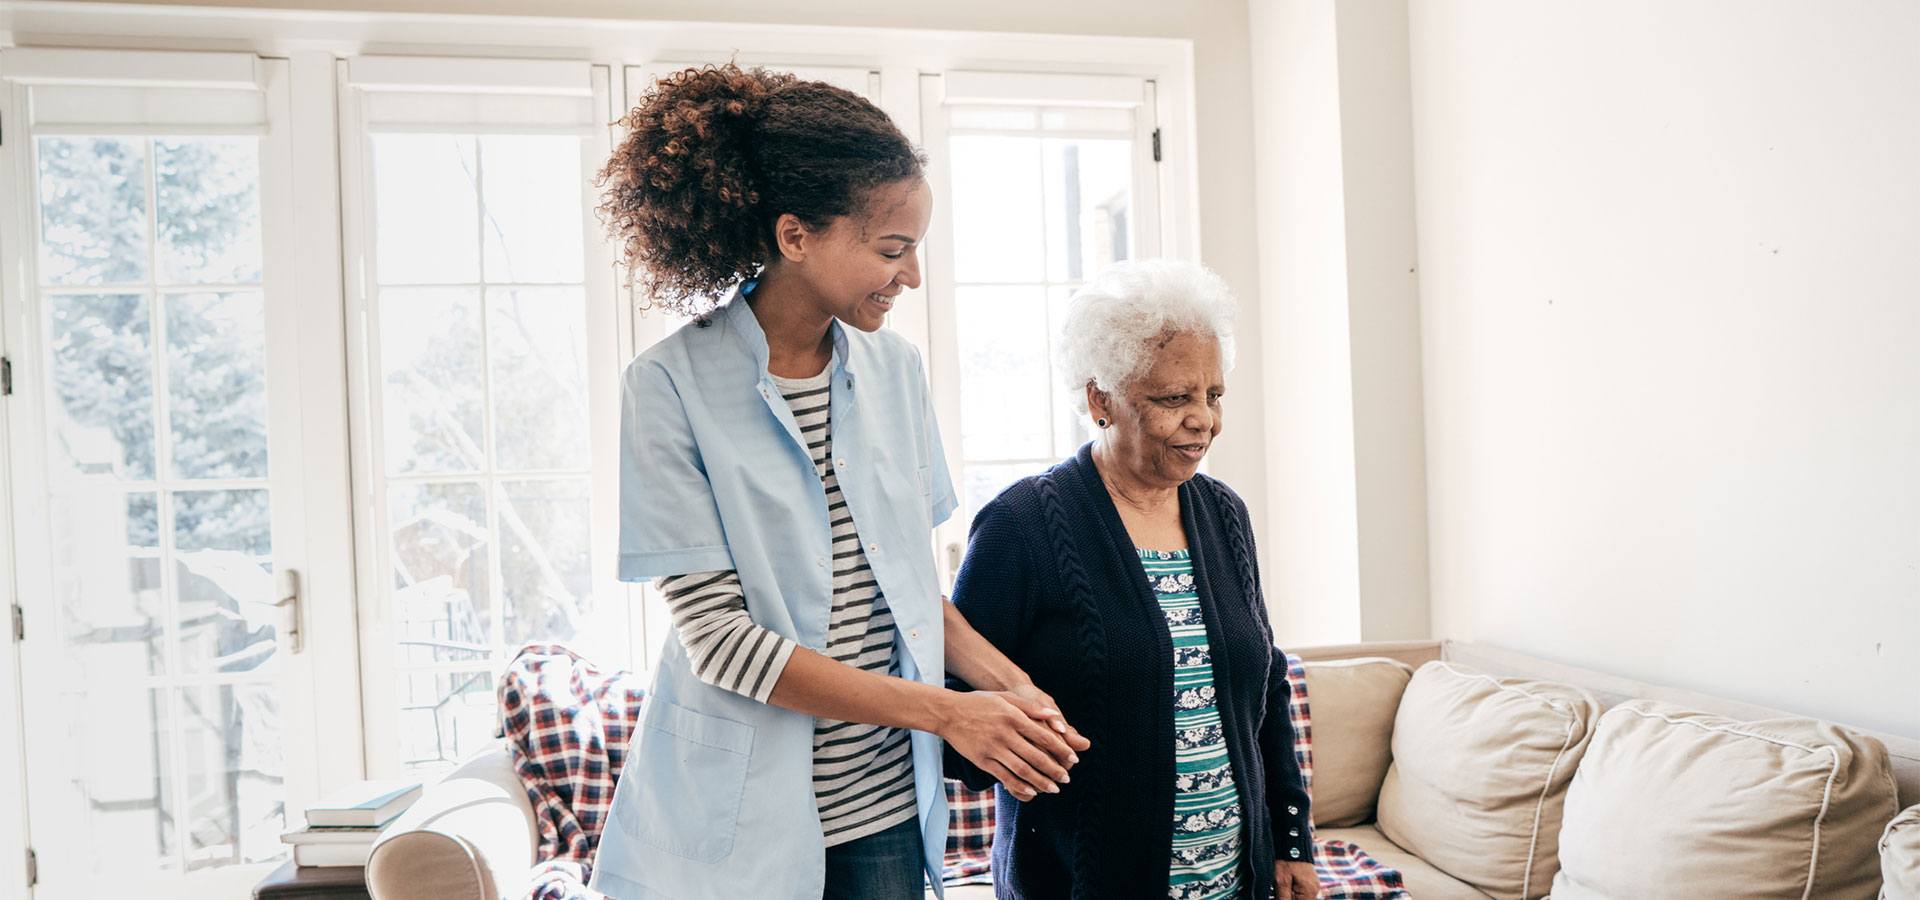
(306, 528)
(467, 76)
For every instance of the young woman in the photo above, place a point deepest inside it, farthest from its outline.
(780, 474)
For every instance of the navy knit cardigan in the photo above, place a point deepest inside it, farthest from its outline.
(1053, 580)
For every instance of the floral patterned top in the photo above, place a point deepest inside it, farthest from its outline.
(1206, 802)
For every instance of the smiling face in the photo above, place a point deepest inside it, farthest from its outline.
(1163, 422)
(860, 263)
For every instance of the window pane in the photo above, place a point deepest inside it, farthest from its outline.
(983, 482)
(106, 549)
(217, 385)
(224, 578)
(103, 385)
(207, 210)
(431, 372)
(426, 197)
(235, 770)
(544, 553)
(997, 209)
(442, 600)
(539, 378)
(1005, 393)
(531, 190)
(444, 716)
(1089, 191)
(93, 210)
(1071, 427)
(119, 778)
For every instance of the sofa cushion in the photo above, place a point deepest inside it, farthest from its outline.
(1420, 878)
(1354, 704)
(1785, 808)
(1900, 856)
(1479, 773)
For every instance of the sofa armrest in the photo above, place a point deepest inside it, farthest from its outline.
(470, 836)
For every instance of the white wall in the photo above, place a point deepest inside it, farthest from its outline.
(1346, 497)
(1312, 566)
(1671, 283)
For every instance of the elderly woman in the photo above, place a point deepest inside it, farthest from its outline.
(1125, 584)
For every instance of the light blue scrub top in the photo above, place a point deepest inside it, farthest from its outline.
(716, 798)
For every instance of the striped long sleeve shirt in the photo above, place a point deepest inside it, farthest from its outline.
(862, 774)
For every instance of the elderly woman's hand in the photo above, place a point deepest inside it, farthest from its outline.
(1050, 713)
(1003, 734)
(1295, 881)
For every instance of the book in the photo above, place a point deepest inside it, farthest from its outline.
(332, 836)
(332, 854)
(368, 804)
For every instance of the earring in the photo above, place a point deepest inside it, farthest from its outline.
(1102, 422)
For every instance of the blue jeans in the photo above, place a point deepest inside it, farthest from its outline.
(884, 866)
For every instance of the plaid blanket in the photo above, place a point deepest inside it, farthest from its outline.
(1346, 872)
(568, 723)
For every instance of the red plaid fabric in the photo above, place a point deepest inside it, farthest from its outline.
(969, 836)
(568, 724)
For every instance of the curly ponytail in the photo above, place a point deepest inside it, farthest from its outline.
(714, 155)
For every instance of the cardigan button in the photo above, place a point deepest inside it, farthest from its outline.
(1293, 832)
(1293, 810)
(1295, 853)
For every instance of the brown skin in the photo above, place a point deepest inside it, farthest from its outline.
(1295, 881)
(852, 270)
(1159, 427)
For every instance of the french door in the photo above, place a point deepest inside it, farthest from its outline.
(157, 468)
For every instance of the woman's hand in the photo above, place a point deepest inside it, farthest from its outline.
(1050, 714)
(1295, 881)
(1003, 733)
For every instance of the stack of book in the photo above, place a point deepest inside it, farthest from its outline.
(341, 829)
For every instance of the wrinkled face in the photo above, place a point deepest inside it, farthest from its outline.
(861, 262)
(1164, 422)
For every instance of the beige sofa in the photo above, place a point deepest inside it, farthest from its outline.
(1504, 776)
(1481, 772)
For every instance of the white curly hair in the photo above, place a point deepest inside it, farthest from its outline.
(1115, 322)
